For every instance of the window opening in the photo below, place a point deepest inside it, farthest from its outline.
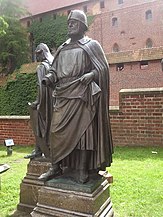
(120, 2)
(149, 43)
(54, 16)
(143, 64)
(68, 12)
(85, 9)
(148, 15)
(114, 21)
(102, 4)
(28, 23)
(119, 66)
(116, 48)
(162, 65)
(122, 32)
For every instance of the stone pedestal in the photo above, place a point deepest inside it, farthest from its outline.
(30, 184)
(75, 201)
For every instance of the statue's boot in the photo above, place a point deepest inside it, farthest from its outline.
(35, 153)
(83, 171)
(83, 176)
(54, 171)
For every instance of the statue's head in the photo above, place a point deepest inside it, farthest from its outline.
(43, 53)
(77, 22)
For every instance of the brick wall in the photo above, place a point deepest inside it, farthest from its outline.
(133, 29)
(138, 121)
(17, 128)
(133, 77)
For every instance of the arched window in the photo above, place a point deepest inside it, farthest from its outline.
(114, 21)
(68, 12)
(40, 19)
(149, 43)
(143, 64)
(119, 66)
(102, 4)
(54, 16)
(85, 9)
(28, 23)
(148, 15)
(115, 48)
(120, 1)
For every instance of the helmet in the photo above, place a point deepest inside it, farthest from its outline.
(78, 15)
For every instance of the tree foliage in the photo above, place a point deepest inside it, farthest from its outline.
(14, 46)
(13, 38)
(13, 9)
(3, 26)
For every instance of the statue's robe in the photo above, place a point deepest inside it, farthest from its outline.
(81, 112)
(41, 117)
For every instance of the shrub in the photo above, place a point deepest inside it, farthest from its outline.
(17, 93)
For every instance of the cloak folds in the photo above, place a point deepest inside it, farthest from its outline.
(41, 117)
(45, 103)
(105, 144)
(78, 107)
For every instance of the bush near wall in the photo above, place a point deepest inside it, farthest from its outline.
(56, 31)
(15, 95)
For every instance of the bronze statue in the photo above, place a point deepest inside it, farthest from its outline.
(80, 134)
(41, 109)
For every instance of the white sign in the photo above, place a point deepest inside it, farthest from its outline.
(9, 142)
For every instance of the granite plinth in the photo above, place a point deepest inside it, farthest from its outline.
(59, 202)
(30, 184)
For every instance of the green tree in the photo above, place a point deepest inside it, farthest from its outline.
(13, 9)
(3, 26)
(14, 39)
(14, 47)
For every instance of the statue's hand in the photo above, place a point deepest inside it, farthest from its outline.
(34, 105)
(50, 79)
(45, 81)
(87, 78)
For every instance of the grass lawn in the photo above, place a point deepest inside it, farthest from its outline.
(10, 180)
(137, 190)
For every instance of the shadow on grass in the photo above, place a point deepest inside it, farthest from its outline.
(138, 153)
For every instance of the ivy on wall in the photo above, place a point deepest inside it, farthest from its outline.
(16, 94)
(50, 31)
